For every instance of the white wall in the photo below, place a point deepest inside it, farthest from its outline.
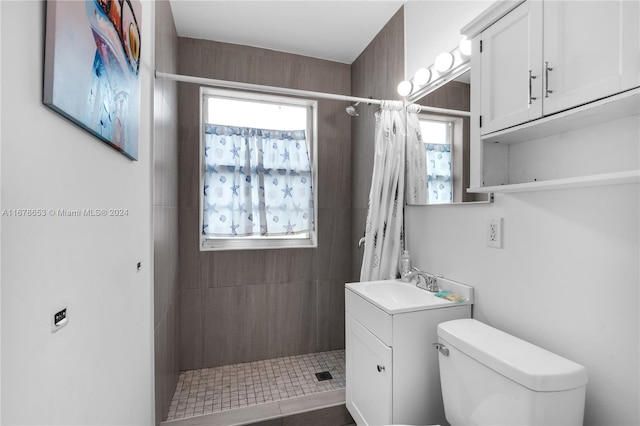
(99, 368)
(432, 27)
(567, 278)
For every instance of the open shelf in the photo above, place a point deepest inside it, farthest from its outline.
(618, 178)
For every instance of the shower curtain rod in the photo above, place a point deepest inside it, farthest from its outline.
(261, 88)
(443, 110)
(286, 91)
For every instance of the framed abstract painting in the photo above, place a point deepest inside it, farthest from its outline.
(92, 64)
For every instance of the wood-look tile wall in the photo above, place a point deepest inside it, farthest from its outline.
(165, 211)
(376, 73)
(239, 306)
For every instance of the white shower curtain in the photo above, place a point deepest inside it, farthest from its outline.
(416, 159)
(383, 233)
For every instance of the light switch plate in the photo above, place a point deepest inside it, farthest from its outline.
(59, 318)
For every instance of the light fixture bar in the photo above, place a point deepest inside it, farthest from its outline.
(446, 66)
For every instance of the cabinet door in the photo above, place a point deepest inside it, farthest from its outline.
(592, 50)
(511, 81)
(369, 374)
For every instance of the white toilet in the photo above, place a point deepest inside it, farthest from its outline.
(489, 377)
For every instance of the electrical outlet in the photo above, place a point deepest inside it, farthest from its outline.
(494, 232)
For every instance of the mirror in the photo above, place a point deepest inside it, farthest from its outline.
(446, 144)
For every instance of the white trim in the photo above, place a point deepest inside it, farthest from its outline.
(602, 110)
(490, 16)
(152, 259)
(605, 179)
(440, 80)
(0, 210)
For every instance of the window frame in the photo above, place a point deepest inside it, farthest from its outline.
(260, 242)
(451, 133)
(454, 136)
(439, 119)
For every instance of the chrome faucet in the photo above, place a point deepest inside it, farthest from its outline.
(430, 281)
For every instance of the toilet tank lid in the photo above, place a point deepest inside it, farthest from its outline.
(514, 358)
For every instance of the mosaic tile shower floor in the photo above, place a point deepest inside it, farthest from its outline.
(217, 389)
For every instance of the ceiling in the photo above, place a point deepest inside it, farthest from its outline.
(333, 30)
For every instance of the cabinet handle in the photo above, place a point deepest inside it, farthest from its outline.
(531, 77)
(547, 68)
(380, 368)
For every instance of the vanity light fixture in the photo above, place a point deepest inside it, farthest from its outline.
(422, 76)
(447, 66)
(404, 88)
(444, 62)
(465, 46)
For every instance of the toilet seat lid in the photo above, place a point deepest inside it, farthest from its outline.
(518, 360)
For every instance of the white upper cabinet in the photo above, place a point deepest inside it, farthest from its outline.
(590, 51)
(512, 68)
(555, 95)
(548, 56)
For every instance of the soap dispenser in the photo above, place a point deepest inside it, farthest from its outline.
(405, 265)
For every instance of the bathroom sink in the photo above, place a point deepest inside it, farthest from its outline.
(395, 296)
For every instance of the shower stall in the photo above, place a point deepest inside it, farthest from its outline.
(268, 314)
(252, 327)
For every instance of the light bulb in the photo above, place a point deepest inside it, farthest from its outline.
(404, 88)
(444, 62)
(422, 76)
(465, 46)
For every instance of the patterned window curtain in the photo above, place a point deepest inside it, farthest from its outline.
(256, 182)
(439, 186)
(383, 233)
(416, 160)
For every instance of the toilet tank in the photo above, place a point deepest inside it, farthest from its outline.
(490, 377)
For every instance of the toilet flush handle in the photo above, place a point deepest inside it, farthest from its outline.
(441, 348)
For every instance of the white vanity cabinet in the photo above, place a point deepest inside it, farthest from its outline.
(548, 56)
(370, 368)
(392, 373)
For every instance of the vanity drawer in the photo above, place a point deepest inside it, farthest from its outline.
(374, 319)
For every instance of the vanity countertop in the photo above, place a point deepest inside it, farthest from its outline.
(395, 296)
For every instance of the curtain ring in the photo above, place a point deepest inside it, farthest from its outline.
(414, 108)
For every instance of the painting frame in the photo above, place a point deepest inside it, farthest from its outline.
(92, 68)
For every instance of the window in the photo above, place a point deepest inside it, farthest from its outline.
(437, 138)
(258, 174)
